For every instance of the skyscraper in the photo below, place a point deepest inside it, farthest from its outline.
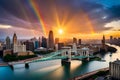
(56, 40)
(103, 42)
(79, 42)
(14, 39)
(111, 37)
(29, 45)
(51, 40)
(8, 45)
(36, 43)
(44, 42)
(39, 42)
(114, 69)
(75, 40)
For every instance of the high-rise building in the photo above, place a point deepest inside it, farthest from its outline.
(60, 45)
(115, 69)
(51, 40)
(111, 37)
(75, 40)
(36, 43)
(39, 40)
(103, 42)
(74, 47)
(29, 45)
(14, 39)
(8, 44)
(79, 42)
(44, 42)
(56, 40)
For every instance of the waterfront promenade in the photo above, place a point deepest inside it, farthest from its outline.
(89, 74)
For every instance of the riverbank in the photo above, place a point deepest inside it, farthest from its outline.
(10, 58)
(87, 76)
(16, 62)
(108, 48)
(3, 64)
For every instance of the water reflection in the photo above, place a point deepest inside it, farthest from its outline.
(53, 70)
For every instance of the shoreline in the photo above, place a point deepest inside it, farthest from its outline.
(3, 64)
(16, 62)
(83, 76)
(86, 75)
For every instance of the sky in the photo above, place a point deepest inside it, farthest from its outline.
(88, 19)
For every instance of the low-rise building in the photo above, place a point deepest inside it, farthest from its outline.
(7, 51)
(25, 53)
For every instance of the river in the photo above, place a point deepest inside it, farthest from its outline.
(53, 70)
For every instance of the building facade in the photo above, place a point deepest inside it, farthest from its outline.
(14, 39)
(103, 42)
(29, 45)
(44, 42)
(8, 43)
(75, 40)
(51, 40)
(115, 69)
(56, 40)
(79, 42)
(18, 47)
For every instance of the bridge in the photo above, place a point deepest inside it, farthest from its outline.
(64, 55)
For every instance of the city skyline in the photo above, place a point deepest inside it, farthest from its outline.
(81, 19)
(59, 39)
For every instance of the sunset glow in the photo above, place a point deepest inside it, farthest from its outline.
(74, 19)
(60, 31)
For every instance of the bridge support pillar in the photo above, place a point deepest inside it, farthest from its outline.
(26, 65)
(65, 61)
(88, 59)
(11, 66)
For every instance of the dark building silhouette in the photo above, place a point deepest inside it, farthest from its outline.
(51, 40)
(60, 45)
(111, 37)
(8, 44)
(44, 42)
(56, 40)
(79, 42)
(36, 44)
(75, 40)
(29, 45)
(103, 42)
(39, 40)
(14, 39)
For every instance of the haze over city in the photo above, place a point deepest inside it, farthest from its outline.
(84, 19)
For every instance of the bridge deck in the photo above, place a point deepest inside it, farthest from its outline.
(51, 56)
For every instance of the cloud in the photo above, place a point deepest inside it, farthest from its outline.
(114, 25)
(5, 26)
(77, 15)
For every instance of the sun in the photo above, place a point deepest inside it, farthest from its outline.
(60, 31)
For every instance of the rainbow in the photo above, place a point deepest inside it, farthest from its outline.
(38, 14)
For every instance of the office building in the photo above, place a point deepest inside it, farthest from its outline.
(51, 40)
(8, 44)
(114, 68)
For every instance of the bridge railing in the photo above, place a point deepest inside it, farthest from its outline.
(49, 56)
